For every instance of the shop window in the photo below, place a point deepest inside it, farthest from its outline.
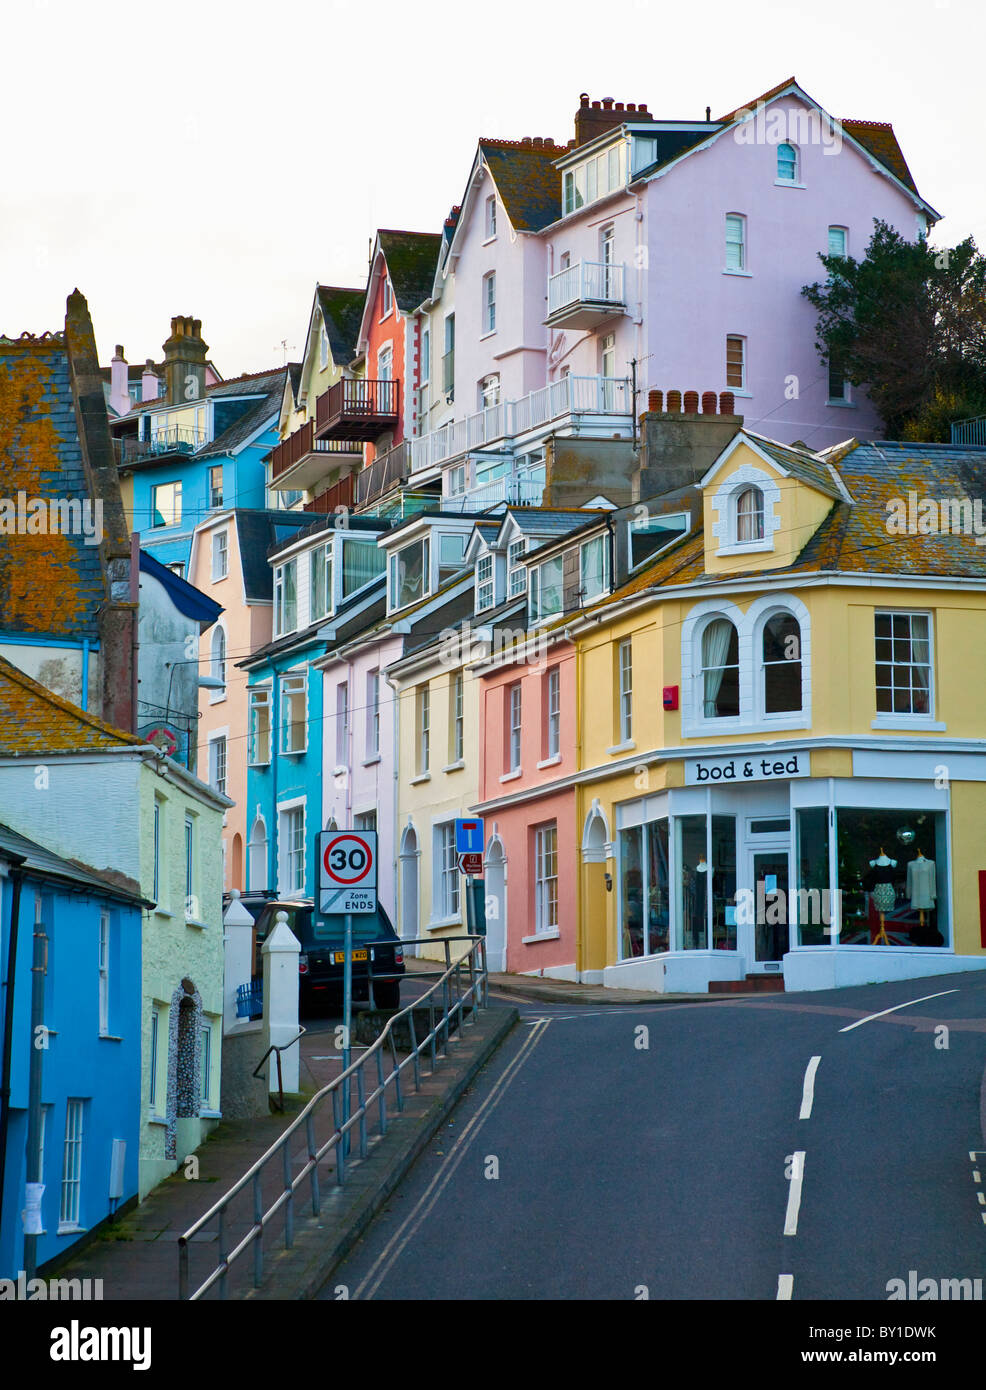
(693, 882)
(781, 664)
(644, 890)
(720, 670)
(891, 878)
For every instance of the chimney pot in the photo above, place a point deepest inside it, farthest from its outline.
(727, 403)
(674, 402)
(631, 106)
(526, 140)
(709, 402)
(536, 142)
(597, 106)
(655, 401)
(119, 350)
(691, 402)
(618, 106)
(607, 103)
(583, 98)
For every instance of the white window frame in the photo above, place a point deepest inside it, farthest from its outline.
(321, 555)
(218, 764)
(795, 181)
(372, 714)
(491, 217)
(635, 527)
(105, 927)
(625, 675)
(489, 303)
(546, 879)
(70, 1207)
(447, 898)
(216, 468)
(152, 1079)
(553, 712)
(387, 295)
(422, 714)
(259, 698)
(515, 725)
(323, 345)
(887, 718)
(190, 865)
(516, 573)
(220, 554)
(292, 684)
(206, 1063)
(457, 716)
(741, 339)
(281, 613)
(291, 852)
(604, 579)
(342, 724)
(736, 222)
(537, 586)
(844, 234)
(485, 583)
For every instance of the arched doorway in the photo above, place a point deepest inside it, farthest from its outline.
(409, 858)
(496, 904)
(237, 871)
(258, 853)
(184, 1094)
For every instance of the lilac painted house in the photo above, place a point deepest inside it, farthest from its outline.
(678, 246)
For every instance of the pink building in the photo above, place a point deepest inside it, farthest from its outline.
(527, 748)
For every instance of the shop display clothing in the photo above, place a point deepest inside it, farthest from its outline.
(880, 882)
(921, 884)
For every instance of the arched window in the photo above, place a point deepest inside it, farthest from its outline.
(219, 654)
(749, 515)
(720, 670)
(781, 664)
(787, 163)
(258, 854)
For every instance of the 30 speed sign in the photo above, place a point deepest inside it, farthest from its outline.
(347, 871)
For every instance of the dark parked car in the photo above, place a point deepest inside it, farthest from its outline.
(375, 945)
(255, 900)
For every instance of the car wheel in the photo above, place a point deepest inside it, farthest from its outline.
(388, 995)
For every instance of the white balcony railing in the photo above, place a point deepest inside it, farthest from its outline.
(586, 282)
(571, 395)
(516, 492)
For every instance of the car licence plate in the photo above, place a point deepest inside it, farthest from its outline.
(340, 956)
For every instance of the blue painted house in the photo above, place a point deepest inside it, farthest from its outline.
(88, 1132)
(184, 458)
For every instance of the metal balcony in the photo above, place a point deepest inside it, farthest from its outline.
(585, 294)
(301, 461)
(357, 409)
(383, 474)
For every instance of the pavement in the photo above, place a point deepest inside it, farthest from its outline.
(137, 1256)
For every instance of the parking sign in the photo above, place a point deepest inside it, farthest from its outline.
(347, 871)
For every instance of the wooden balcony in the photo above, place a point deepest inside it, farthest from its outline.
(301, 461)
(357, 409)
(339, 495)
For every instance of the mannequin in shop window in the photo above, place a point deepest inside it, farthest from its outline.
(880, 883)
(922, 890)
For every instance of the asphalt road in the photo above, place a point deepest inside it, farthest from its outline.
(593, 1160)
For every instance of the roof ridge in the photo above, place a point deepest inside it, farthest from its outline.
(19, 677)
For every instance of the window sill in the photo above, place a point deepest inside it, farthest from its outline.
(110, 1037)
(422, 777)
(259, 765)
(157, 1120)
(512, 776)
(293, 752)
(551, 935)
(454, 767)
(443, 923)
(218, 578)
(905, 724)
(369, 762)
(553, 761)
(163, 912)
(210, 1114)
(490, 333)
(70, 1228)
(194, 922)
(340, 770)
(743, 274)
(788, 183)
(627, 746)
(741, 391)
(746, 548)
(731, 725)
(843, 405)
(489, 240)
(216, 697)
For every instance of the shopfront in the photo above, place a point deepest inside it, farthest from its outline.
(757, 867)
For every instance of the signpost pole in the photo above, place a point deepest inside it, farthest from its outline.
(347, 1016)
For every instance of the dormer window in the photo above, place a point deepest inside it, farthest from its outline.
(485, 590)
(516, 573)
(787, 163)
(409, 574)
(451, 555)
(593, 570)
(546, 589)
(286, 598)
(650, 534)
(749, 515)
(321, 582)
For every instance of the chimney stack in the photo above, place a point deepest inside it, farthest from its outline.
(149, 383)
(184, 361)
(119, 383)
(595, 118)
(678, 444)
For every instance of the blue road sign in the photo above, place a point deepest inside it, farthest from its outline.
(469, 835)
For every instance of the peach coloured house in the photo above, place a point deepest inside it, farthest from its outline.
(228, 561)
(527, 759)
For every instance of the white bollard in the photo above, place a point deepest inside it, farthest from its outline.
(238, 957)
(280, 952)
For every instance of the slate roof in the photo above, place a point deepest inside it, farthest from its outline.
(342, 311)
(186, 598)
(549, 523)
(38, 860)
(527, 181)
(878, 137)
(411, 261)
(272, 386)
(257, 531)
(33, 720)
(800, 463)
(49, 584)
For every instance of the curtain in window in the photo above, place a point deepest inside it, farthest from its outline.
(920, 664)
(361, 562)
(749, 515)
(715, 649)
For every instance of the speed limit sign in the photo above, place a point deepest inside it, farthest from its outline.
(347, 871)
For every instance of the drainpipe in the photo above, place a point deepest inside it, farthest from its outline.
(17, 878)
(275, 738)
(395, 720)
(579, 880)
(84, 704)
(34, 1175)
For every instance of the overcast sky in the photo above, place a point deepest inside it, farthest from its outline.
(218, 158)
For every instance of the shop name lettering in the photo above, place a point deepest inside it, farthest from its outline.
(748, 770)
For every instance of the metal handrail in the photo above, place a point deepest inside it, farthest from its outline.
(475, 997)
(277, 1050)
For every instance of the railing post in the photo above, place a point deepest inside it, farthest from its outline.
(289, 1204)
(340, 1156)
(258, 1221)
(310, 1137)
(223, 1252)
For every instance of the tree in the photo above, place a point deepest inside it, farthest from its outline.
(908, 323)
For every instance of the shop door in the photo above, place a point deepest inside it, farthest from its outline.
(768, 938)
